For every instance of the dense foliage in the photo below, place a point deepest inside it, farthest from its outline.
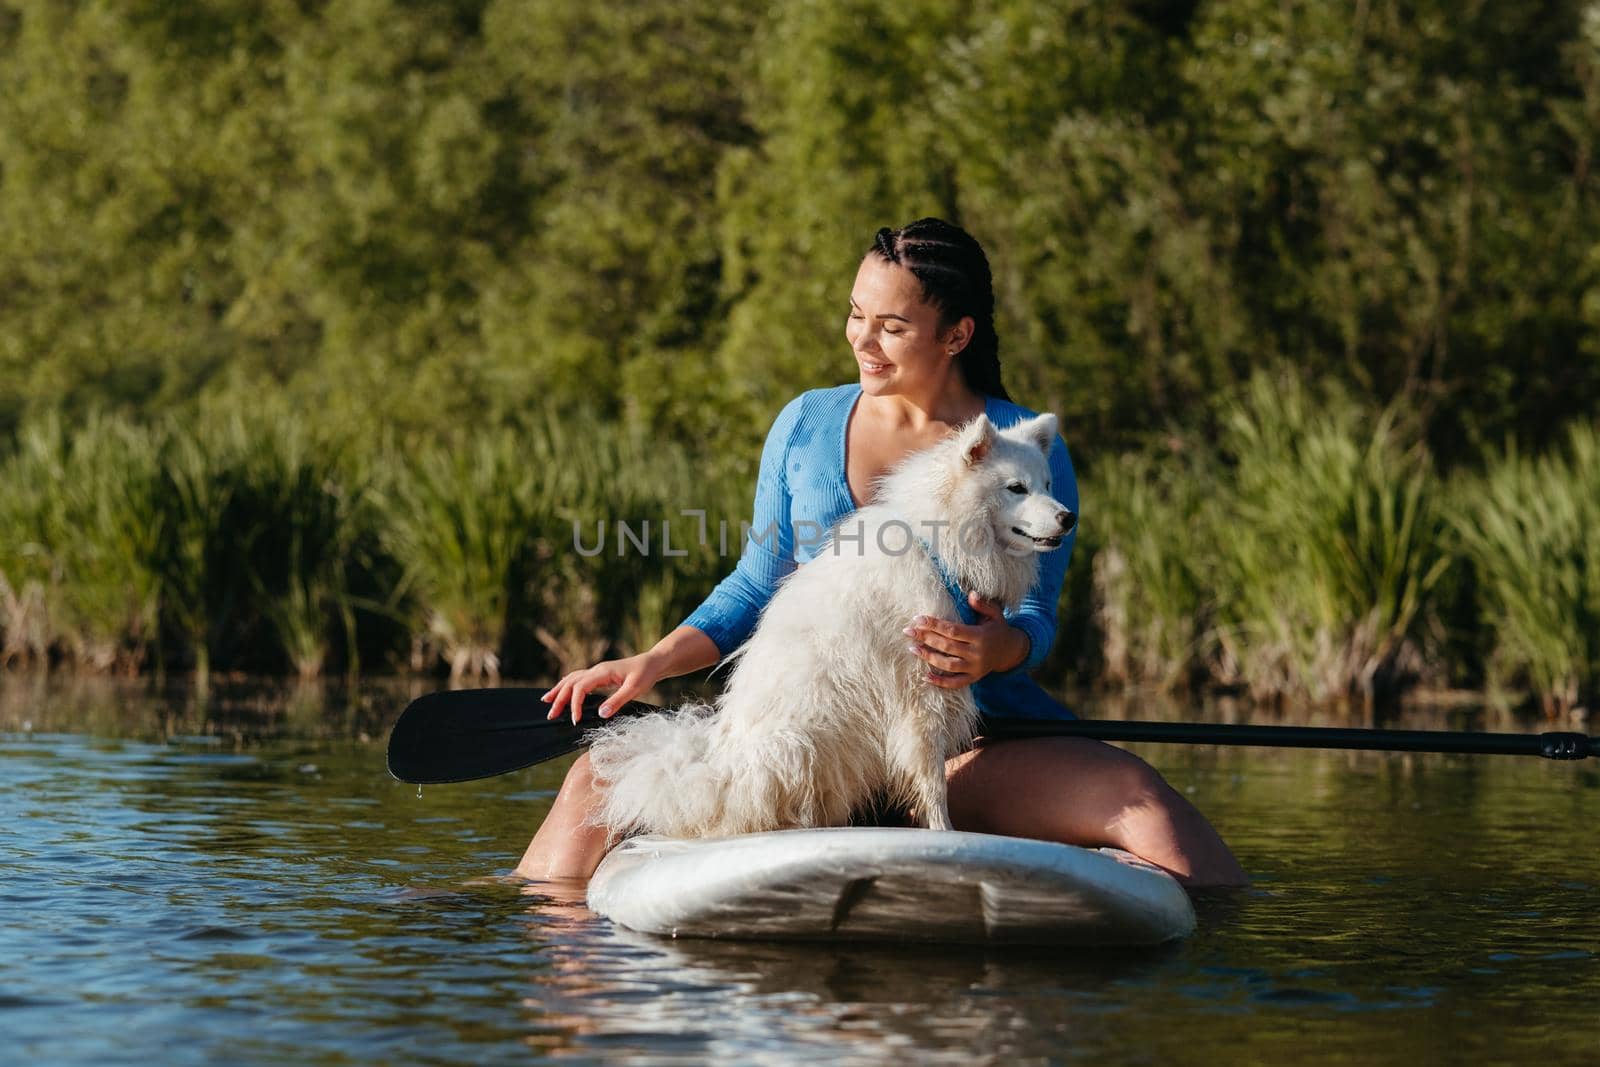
(423, 213)
(441, 228)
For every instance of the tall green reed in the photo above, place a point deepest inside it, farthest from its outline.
(1530, 529)
(269, 518)
(199, 561)
(1328, 540)
(460, 523)
(112, 494)
(255, 541)
(79, 525)
(1148, 519)
(226, 537)
(301, 503)
(29, 575)
(497, 540)
(1301, 558)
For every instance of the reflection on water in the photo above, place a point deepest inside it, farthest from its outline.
(697, 998)
(237, 879)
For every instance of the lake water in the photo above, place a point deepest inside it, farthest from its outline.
(236, 879)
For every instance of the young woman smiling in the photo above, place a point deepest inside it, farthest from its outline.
(921, 328)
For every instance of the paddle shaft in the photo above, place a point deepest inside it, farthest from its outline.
(1560, 745)
(1555, 745)
(461, 735)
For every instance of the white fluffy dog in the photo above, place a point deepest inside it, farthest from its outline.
(826, 708)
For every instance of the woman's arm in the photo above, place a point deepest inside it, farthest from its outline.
(683, 651)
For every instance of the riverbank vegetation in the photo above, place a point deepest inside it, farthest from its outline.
(265, 542)
(322, 322)
(1311, 551)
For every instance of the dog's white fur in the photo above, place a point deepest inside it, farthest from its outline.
(826, 706)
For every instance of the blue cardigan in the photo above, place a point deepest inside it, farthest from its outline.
(802, 492)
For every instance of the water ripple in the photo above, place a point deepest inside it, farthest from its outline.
(185, 900)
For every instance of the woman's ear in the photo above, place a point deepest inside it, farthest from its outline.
(960, 335)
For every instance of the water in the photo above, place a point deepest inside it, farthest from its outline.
(238, 880)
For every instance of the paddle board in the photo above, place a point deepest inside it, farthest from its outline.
(889, 884)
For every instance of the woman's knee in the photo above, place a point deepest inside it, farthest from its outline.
(580, 779)
(1087, 793)
(1144, 798)
(1158, 823)
(1142, 783)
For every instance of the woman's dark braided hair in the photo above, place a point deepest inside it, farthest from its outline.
(955, 278)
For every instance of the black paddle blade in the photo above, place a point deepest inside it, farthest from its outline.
(464, 734)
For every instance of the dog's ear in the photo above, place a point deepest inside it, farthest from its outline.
(977, 438)
(1040, 431)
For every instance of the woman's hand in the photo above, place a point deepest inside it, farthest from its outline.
(631, 676)
(958, 654)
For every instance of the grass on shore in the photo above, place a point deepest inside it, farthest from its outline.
(1295, 557)
(1303, 554)
(1529, 528)
(252, 542)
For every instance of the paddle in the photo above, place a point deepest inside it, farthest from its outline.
(460, 735)
(463, 734)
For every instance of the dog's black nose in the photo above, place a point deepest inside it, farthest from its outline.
(1067, 520)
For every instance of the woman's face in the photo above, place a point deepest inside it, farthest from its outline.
(895, 335)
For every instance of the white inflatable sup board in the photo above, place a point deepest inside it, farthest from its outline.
(889, 884)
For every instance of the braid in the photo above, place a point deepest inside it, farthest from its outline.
(955, 278)
(884, 244)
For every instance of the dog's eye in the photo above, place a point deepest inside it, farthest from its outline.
(1017, 487)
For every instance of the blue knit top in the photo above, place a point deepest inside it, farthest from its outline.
(802, 492)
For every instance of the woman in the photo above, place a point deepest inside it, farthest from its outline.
(921, 326)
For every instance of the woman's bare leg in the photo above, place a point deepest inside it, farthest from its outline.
(1067, 789)
(567, 845)
(1084, 792)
